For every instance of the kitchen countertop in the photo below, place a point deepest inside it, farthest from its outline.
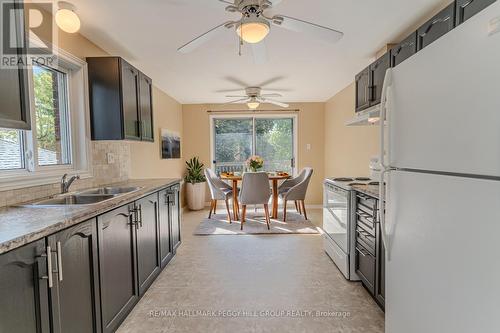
(20, 225)
(371, 190)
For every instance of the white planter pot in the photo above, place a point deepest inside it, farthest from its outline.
(195, 195)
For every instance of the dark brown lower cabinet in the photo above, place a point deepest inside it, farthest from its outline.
(75, 295)
(365, 268)
(117, 266)
(175, 216)
(380, 274)
(148, 251)
(24, 305)
(166, 253)
(99, 269)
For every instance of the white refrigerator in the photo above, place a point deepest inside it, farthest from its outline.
(441, 166)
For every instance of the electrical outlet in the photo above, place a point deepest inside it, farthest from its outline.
(308, 146)
(110, 158)
(494, 26)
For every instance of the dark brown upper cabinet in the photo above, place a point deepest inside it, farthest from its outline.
(121, 97)
(14, 93)
(363, 90)
(436, 27)
(465, 9)
(404, 50)
(146, 107)
(377, 76)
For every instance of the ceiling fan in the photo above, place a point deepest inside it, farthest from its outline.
(255, 24)
(254, 98)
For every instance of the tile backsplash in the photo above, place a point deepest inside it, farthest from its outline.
(103, 173)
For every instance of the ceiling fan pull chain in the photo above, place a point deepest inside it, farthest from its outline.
(240, 44)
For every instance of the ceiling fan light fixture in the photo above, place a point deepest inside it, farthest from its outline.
(66, 18)
(253, 104)
(253, 30)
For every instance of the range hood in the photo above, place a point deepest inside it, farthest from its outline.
(370, 116)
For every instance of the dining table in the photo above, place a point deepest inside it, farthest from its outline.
(235, 178)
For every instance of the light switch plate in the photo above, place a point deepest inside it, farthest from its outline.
(308, 146)
(110, 158)
(494, 26)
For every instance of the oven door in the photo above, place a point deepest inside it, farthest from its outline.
(336, 215)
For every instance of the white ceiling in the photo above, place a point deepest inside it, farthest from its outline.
(148, 32)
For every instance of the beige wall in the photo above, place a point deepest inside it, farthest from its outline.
(347, 150)
(146, 157)
(310, 131)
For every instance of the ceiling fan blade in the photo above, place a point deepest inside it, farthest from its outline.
(259, 51)
(242, 100)
(229, 90)
(198, 41)
(312, 29)
(236, 96)
(271, 81)
(274, 102)
(275, 2)
(272, 95)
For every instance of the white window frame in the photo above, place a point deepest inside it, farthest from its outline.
(78, 115)
(294, 116)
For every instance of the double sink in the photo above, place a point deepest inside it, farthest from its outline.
(87, 197)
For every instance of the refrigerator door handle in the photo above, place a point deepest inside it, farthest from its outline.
(383, 116)
(382, 198)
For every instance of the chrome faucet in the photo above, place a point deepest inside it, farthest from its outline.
(66, 184)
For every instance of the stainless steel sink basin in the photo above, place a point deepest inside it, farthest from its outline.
(73, 200)
(109, 190)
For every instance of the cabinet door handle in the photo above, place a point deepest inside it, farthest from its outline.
(139, 218)
(48, 255)
(59, 261)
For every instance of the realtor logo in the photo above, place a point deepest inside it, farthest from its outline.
(27, 34)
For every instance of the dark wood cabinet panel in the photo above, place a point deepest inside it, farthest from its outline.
(146, 107)
(166, 253)
(465, 9)
(105, 98)
(121, 104)
(117, 266)
(14, 95)
(377, 76)
(24, 305)
(365, 268)
(148, 251)
(363, 97)
(175, 217)
(380, 275)
(436, 27)
(75, 305)
(130, 100)
(404, 50)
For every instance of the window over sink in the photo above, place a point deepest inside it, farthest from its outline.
(58, 141)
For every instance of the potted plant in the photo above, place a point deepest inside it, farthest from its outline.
(255, 163)
(195, 184)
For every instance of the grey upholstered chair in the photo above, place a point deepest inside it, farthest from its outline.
(219, 190)
(255, 191)
(295, 189)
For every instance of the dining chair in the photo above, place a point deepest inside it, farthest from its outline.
(255, 191)
(295, 189)
(219, 190)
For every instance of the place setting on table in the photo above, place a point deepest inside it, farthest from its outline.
(251, 187)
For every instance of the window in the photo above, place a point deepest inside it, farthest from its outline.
(58, 141)
(236, 139)
(51, 113)
(11, 149)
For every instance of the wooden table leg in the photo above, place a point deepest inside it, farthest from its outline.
(236, 207)
(275, 198)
